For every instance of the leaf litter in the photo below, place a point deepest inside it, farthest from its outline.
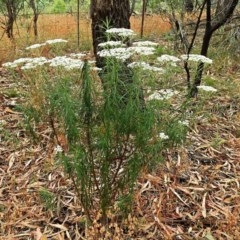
(193, 194)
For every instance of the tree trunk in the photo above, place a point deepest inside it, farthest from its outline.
(35, 17)
(11, 18)
(144, 8)
(107, 14)
(11, 11)
(116, 13)
(189, 6)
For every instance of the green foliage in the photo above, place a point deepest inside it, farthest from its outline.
(47, 198)
(59, 6)
(31, 118)
(111, 133)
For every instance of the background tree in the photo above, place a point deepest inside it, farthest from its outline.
(207, 15)
(223, 13)
(37, 6)
(189, 5)
(10, 10)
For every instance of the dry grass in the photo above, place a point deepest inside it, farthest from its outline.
(65, 26)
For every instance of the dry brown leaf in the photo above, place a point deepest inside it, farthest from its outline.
(39, 236)
(59, 226)
(8, 110)
(11, 160)
(204, 210)
(178, 196)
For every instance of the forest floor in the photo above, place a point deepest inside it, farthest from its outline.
(193, 194)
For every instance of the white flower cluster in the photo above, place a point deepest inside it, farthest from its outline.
(66, 62)
(34, 62)
(112, 44)
(30, 63)
(16, 62)
(163, 94)
(196, 58)
(207, 88)
(168, 58)
(184, 122)
(119, 53)
(145, 44)
(37, 45)
(53, 41)
(124, 32)
(142, 50)
(163, 136)
(145, 66)
(125, 53)
(58, 149)
(77, 55)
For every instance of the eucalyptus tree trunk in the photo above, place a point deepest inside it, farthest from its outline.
(112, 13)
(116, 13)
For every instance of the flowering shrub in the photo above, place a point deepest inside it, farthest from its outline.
(112, 131)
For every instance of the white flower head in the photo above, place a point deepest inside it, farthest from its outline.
(111, 44)
(142, 50)
(27, 62)
(77, 55)
(28, 66)
(207, 88)
(163, 136)
(124, 32)
(34, 62)
(53, 41)
(58, 149)
(196, 58)
(10, 65)
(37, 45)
(38, 60)
(22, 60)
(145, 44)
(168, 58)
(184, 122)
(163, 94)
(145, 66)
(66, 62)
(119, 53)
